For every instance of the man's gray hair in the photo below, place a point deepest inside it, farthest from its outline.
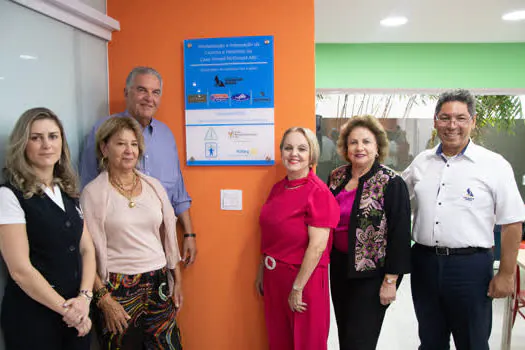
(140, 71)
(459, 95)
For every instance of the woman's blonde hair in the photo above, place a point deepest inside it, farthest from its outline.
(111, 127)
(368, 122)
(313, 145)
(18, 170)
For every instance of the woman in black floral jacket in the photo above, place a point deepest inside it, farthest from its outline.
(372, 241)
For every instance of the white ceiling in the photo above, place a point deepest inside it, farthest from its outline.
(357, 21)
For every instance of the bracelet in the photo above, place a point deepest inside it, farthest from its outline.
(86, 293)
(390, 280)
(99, 294)
(186, 235)
(297, 288)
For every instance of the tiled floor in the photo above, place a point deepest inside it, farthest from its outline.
(399, 330)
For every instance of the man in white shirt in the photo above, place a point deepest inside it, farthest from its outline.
(460, 191)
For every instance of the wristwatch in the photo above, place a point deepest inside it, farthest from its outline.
(86, 294)
(390, 280)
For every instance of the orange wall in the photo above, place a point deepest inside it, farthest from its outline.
(221, 309)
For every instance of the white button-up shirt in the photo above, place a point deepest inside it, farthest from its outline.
(457, 201)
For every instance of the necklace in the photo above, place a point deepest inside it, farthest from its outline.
(126, 193)
(295, 183)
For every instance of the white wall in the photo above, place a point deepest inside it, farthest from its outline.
(68, 75)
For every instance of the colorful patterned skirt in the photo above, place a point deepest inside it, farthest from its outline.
(146, 299)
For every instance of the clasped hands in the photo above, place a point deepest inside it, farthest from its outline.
(77, 314)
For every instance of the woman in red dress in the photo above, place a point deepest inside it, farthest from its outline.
(296, 223)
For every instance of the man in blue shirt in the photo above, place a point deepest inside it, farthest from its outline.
(143, 93)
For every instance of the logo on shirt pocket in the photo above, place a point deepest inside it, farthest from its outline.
(468, 196)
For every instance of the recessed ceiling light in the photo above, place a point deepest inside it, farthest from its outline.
(393, 21)
(514, 16)
(28, 57)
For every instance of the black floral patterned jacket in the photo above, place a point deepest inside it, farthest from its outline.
(379, 228)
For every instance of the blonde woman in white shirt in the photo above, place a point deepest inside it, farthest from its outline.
(47, 250)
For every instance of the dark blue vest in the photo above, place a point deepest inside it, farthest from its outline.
(54, 242)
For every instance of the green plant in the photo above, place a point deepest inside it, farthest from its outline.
(499, 111)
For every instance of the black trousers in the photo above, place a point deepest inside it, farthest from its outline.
(450, 297)
(358, 310)
(29, 325)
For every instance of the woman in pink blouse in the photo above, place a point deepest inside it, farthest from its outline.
(296, 223)
(138, 284)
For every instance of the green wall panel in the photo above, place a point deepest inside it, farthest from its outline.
(420, 66)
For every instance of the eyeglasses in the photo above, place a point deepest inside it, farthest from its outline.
(459, 120)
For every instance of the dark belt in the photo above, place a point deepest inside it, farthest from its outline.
(451, 251)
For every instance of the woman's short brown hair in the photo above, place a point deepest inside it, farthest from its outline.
(369, 122)
(111, 127)
(310, 138)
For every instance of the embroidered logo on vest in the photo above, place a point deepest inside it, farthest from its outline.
(80, 213)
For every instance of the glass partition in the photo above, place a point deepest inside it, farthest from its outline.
(44, 62)
(408, 121)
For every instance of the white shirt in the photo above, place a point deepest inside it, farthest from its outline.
(12, 213)
(457, 201)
